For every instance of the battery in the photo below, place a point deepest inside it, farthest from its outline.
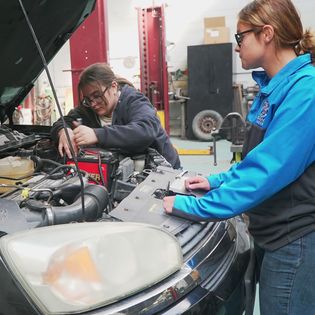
(99, 163)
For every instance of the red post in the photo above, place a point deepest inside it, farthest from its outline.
(89, 44)
(153, 72)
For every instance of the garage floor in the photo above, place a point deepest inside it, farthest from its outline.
(204, 164)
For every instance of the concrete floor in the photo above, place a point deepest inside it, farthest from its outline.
(204, 165)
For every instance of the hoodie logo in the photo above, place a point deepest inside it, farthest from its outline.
(263, 114)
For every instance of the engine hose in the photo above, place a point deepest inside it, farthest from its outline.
(39, 163)
(96, 199)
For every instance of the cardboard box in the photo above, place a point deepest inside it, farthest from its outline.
(218, 21)
(215, 31)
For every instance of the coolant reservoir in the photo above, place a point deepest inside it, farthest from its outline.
(15, 167)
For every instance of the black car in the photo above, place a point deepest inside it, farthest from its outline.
(73, 243)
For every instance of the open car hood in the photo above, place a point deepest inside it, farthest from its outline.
(53, 22)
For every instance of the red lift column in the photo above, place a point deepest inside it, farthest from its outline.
(89, 44)
(153, 69)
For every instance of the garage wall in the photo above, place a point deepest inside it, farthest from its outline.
(184, 27)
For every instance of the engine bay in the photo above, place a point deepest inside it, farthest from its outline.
(38, 188)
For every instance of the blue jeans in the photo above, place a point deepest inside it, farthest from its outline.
(287, 279)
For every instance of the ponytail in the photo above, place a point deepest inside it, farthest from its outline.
(123, 81)
(306, 45)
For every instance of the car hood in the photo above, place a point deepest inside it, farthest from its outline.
(53, 22)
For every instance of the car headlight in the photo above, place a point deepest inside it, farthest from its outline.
(78, 267)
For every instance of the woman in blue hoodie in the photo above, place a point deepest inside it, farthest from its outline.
(114, 115)
(275, 182)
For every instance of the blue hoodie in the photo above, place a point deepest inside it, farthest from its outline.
(278, 150)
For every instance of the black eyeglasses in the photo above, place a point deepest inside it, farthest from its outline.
(240, 36)
(97, 98)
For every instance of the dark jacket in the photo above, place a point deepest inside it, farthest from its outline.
(135, 127)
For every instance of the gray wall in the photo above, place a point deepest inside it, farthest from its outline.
(184, 27)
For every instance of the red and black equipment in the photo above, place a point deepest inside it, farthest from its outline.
(99, 164)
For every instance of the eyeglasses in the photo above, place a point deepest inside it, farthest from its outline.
(240, 36)
(97, 98)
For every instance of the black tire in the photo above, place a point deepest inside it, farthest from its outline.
(204, 123)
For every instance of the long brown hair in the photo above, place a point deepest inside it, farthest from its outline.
(101, 74)
(283, 16)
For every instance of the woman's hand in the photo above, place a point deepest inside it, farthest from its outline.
(84, 135)
(63, 145)
(168, 203)
(197, 182)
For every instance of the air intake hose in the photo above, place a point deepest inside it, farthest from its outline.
(96, 200)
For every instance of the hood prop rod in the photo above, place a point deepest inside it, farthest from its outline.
(40, 51)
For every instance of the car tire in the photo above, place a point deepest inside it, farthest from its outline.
(204, 123)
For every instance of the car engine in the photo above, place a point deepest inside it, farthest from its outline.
(38, 188)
